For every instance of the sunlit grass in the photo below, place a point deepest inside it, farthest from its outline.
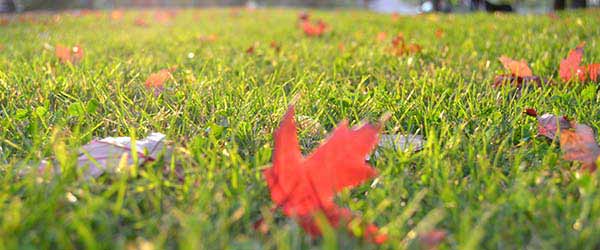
(482, 176)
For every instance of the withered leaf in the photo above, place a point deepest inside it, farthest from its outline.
(103, 155)
(578, 143)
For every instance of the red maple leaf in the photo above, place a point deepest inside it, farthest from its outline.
(304, 186)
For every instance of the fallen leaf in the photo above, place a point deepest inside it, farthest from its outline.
(432, 239)
(105, 154)
(549, 125)
(68, 54)
(341, 47)
(516, 68)
(303, 16)
(381, 36)
(304, 186)
(519, 82)
(578, 143)
(76, 53)
(116, 15)
(207, 38)
(275, 46)
(594, 71)
(163, 17)
(56, 18)
(63, 53)
(402, 142)
(250, 50)
(156, 80)
(520, 74)
(261, 226)
(316, 29)
(234, 12)
(439, 33)
(140, 21)
(400, 47)
(570, 68)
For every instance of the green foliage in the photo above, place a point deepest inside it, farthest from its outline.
(483, 175)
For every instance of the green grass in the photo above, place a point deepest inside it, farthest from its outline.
(483, 175)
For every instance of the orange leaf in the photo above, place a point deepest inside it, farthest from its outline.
(314, 29)
(303, 186)
(518, 81)
(439, 33)
(163, 16)
(68, 55)
(517, 68)
(400, 47)
(250, 50)
(157, 80)
(77, 53)
(381, 36)
(3, 21)
(63, 53)
(207, 38)
(140, 21)
(274, 45)
(341, 47)
(116, 15)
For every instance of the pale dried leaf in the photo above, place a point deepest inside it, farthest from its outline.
(402, 142)
(103, 155)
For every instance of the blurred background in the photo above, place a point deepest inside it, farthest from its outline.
(391, 6)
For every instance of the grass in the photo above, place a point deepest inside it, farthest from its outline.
(483, 175)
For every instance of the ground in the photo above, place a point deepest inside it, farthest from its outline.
(483, 175)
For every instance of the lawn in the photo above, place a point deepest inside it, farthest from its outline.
(483, 175)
